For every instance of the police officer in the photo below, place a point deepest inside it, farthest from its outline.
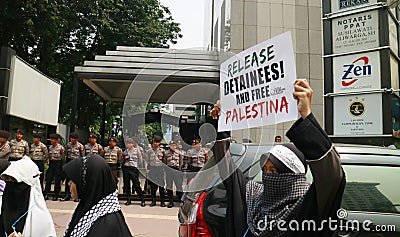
(197, 157)
(155, 161)
(132, 158)
(4, 145)
(113, 155)
(38, 153)
(93, 147)
(56, 157)
(174, 159)
(19, 147)
(74, 150)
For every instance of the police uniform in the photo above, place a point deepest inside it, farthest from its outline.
(130, 164)
(5, 150)
(18, 149)
(38, 153)
(56, 157)
(96, 148)
(174, 161)
(155, 162)
(74, 151)
(197, 158)
(113, 157)
(5, 145)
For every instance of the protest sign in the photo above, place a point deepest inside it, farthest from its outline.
(256, 86)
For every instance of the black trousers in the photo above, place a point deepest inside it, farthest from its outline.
(173, 175)
(114, 172)
(156, 179)
(67, 190)
(40, 165)
(54, 173)
(131, 174)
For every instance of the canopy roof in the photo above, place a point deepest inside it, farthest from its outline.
(158, 74)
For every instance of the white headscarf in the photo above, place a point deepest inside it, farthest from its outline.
(38, 220)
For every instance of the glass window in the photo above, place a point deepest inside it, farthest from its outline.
(372, 189)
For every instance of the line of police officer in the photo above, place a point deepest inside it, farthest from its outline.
(156, 161)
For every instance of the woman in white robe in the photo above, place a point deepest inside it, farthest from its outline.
(24, 208)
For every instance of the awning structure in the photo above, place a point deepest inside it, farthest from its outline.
(157, 74)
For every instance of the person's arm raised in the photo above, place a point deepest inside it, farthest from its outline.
(308, 136)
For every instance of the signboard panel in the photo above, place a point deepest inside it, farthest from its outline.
(355, 32)
(356, 72)
(256, 86)
(357, 115)
(344, 5)
(32, 95)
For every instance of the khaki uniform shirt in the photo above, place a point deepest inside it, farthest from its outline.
(56, 153)
(197, 158)
(75, 150)
(5, 150)
(96, 149)
(19, 149)
(132, 157)
(112, 155)
(155, 156)
(174, 159)
(38, 152)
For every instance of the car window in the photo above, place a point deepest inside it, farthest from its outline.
(372, 188)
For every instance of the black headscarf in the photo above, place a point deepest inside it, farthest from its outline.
(94, 182)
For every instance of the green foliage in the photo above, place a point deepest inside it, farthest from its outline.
(57, 35)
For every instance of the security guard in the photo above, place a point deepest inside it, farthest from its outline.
(93, 147)
(155, 162)
(56, 157)
(19, 147)
(132, 158)
(38, 153)
(74, 150)
(4, 145)
(197, 157)
(113, 155)
(174, 159)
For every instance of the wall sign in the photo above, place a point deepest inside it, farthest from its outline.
(344, 5)
(357, 115)
(355, 32)
(356, 72)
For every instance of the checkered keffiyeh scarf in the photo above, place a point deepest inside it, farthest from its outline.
(105, 206)
(277, 198)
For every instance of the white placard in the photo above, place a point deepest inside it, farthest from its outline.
(357, 115)
(355, 32)
(345, 5)
(256, 86)
(356, 72)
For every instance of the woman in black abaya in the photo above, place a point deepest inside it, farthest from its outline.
(98, 212)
